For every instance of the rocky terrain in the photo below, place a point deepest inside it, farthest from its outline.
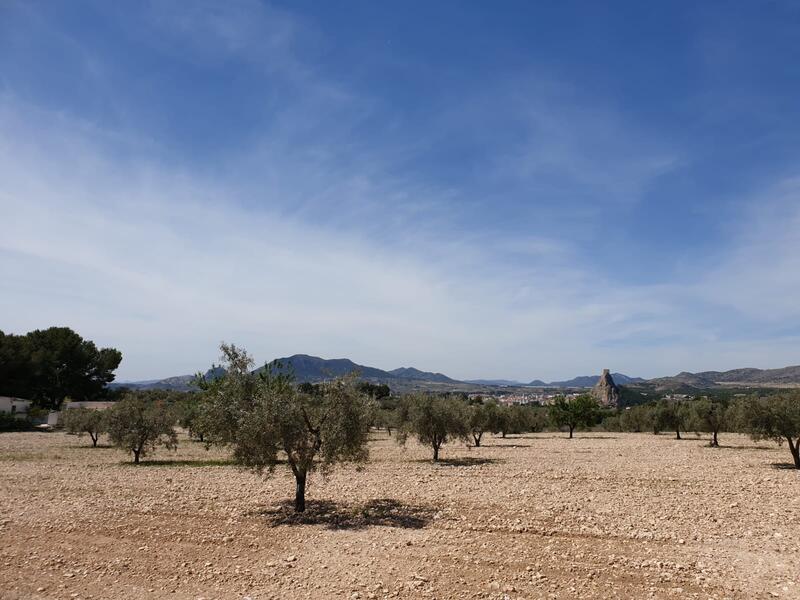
(535, 516)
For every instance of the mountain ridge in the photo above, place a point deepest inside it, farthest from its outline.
(313, 369)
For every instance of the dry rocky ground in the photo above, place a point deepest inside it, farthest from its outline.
(535, 516)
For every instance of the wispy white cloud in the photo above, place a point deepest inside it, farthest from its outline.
(313, 237)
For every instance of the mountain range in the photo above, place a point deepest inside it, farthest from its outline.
(575, 382)
(314, 369)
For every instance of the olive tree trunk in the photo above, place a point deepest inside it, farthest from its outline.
(714, 440)
(300, 491)
(794, 448)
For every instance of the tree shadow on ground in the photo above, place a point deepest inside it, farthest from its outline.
(743, 447)
(90, 447)
(465, 461)
(514, 445)
(210, 462)
(578, 436)
(384, 512)
(784, 466)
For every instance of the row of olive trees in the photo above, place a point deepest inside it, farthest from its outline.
(137, 423)
(267, 420)
(775, 417)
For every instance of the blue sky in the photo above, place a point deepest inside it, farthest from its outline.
(518, 190)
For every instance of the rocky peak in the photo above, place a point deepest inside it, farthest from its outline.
(605, 390)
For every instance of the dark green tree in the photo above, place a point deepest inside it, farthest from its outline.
(377, 391)
(49, 365)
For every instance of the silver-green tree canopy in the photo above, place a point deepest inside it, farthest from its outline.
(433, 420)
(263, 416)
(775, 417)
(85, 420)
(140, 422)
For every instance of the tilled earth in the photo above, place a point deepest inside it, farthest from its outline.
(535, 516)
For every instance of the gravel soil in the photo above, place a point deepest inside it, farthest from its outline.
(534, 516)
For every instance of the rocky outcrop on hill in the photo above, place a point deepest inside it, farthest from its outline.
(605, 390)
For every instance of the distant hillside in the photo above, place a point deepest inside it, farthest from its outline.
(416, 374)
(788, 375)
(313, 369)
(590, 380)
(501, 382)
(179, 383)
(746, 377)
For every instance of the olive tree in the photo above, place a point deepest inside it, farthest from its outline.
(433, 420)
(669, 415)
(188, 412)
(85, 421)
(580, 411)
(138, 423)
(264, 416)
(708, 416)
(777, 418)
(635, 418)
(481, 419)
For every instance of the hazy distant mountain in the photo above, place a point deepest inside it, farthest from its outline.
(590, 380)
(788, 375)
(503, 382)
(179, 383)
(412, 373)
(314, 369)
(747, 377)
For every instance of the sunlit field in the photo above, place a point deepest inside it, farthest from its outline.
(531, 516)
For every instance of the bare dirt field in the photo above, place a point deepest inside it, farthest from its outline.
(535, 516)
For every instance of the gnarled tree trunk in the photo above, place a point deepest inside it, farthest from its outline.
(794, 448)
(300, 491)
